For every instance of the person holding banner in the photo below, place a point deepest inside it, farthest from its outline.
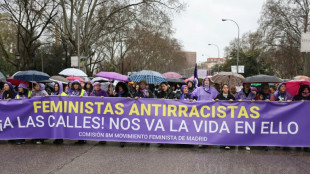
(165, 92)
(98, 92)
(282, 95)
(265, 94)
(121, 90)
(143, 92)
(77, 90)
(206, 91)
(58, 91)
(39, 90)
(9, 92)
(303, 94)
(190, 85)
(246, 93)
(88, 87)
(185, 95)
(23, 91)
(225, 95)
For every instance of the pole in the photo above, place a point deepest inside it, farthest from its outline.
(42, 62)
(78, 28)
(238, 49)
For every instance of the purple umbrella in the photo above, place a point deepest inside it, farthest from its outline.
(113, 76)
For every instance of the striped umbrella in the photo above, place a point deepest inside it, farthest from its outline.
(302, 78)
(172, 75)
(151, 77)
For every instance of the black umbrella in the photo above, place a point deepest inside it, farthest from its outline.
(262, 79)
(31, 75)
(176, 81)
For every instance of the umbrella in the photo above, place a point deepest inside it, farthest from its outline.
(99, 79)
(31, 75)
(15, 81)
(71, 78)
(72, 72)
(151, 77)
(302, 78)
(2, 77)
(59, 79)
(176, 81)
(229, 78)
(113, 76)
(172, 75)
(262, 79)
(293, 86)
(189, 79)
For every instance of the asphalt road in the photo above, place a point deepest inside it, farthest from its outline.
(134, 158)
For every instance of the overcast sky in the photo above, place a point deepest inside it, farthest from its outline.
(201, 24)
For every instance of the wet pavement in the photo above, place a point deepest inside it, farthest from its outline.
(134, 158)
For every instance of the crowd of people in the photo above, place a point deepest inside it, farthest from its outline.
(206, 91)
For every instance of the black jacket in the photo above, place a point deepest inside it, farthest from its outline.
(221, 97)
(166, 95)
(300, 97)
(139, 93)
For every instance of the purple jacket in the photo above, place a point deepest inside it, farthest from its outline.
(241, 95)
(99, 93)
(286, 95)
(202, 94)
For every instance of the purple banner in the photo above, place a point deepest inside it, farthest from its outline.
(157, 121)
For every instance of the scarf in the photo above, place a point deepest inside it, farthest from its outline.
(206, 88)
(305, 94)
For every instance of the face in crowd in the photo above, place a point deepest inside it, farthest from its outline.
(283, 88)
(185, 90)
(164, 87)
(233, 90)
(190, 84)
(37, 87)
(247, 86)
(56, 88)
(97, 88)
(76, 86)
(6, 87)
(120, 89)
(225, 89)
(142, 85)
(306, 90)
(206, 82)
(265, 89)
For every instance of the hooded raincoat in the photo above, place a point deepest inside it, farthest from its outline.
(27, 93)
(279, 96)
(100, 92)
(78, 92)
(11, 93)
(41, 92)
(60, 90)
(205, 92)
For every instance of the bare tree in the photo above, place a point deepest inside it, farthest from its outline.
(31, 18)
(282, 22)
